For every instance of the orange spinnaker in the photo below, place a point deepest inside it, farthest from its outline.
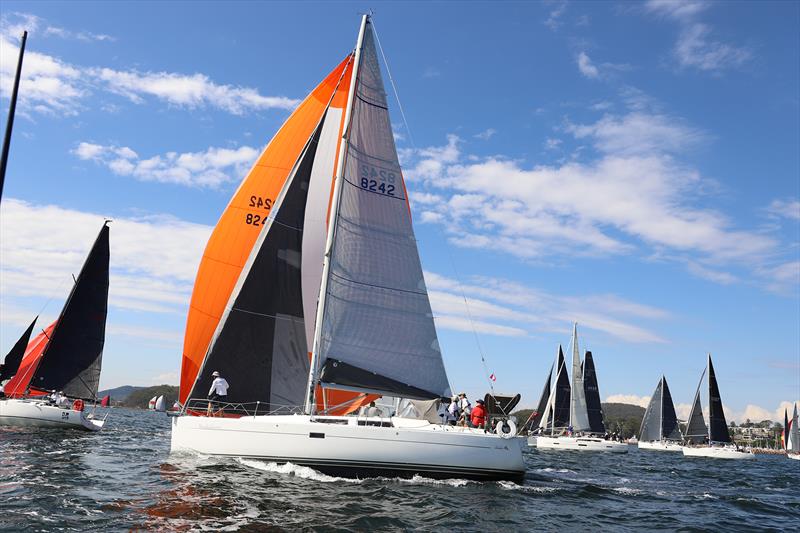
(231, 241)
(17, 385)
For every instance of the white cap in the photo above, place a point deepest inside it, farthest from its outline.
(215, 374)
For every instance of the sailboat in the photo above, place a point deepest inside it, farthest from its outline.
(310, 301)
(584, 429)
(659, 430)
(160, 404)
(712, 440)
(65, 356)
(151, 405)
(791, 435)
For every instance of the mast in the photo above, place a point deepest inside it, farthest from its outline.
(661, 420)
(313, 374)
(11, 111)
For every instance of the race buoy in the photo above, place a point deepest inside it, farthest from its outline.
(503, 425)
(77, 405)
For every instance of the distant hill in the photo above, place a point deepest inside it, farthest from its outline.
(118, 394)
(141, 396)
(622, 417)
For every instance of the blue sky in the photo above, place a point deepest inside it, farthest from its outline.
(631, 166)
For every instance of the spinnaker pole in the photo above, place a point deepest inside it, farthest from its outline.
(11, 110)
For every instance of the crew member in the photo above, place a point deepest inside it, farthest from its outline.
(478, 414)
(370, 411)
(218, 391)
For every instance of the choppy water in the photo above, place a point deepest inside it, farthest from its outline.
(123, 478)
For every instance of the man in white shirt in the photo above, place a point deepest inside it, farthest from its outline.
(218, 391)
(370, 411)
(465, 407)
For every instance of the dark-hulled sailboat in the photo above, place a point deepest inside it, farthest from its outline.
(659, 430)
(712, 440)
(66, 356)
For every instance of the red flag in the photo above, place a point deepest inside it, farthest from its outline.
(493, 377)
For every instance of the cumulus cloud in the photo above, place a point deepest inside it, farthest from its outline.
(508, 308)
(53, 86)
(210, 168)
(632, 399)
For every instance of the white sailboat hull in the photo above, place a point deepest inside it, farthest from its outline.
(795, 456)
(660, 446)
(38, 413)
(716, 452)
(582, 444)
(345, 446)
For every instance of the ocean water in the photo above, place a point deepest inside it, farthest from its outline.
(123, 478)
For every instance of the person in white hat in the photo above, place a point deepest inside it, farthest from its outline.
(218, 391)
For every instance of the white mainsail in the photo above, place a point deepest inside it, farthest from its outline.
(578, 414)
(793, 444)
(375, 329)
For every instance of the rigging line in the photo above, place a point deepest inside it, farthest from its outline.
(391, 80)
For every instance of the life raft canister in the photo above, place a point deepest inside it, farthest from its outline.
(77, 405)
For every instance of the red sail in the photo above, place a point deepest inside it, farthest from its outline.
(105, 401)
(27, 368)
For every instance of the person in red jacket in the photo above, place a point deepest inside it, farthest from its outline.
(478, 415)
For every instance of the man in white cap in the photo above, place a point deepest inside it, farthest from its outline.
(218, 391)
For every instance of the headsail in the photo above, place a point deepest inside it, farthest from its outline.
(232, 244)
(650, 430)
(538, 413)
(793, 444)
(18, 385)
(561, 394)
(578, 417)
(718, 427)
(594, 407)
(696, 429)
(14, 356)
(377, 331)
(670, 430)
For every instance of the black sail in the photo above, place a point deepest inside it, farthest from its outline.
(716, 417)
(14, 356)
(561, 407)
(536, 417)
(72, 359)
(260, 347)
(696, 429)
(670, 429)
(592, 393)
(650, 430)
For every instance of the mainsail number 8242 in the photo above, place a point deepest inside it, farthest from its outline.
(377, 180)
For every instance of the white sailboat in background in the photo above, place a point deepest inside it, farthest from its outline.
(310, 300)
(581, 433)
(151, 405)
(713, 440)
(660, 430)
(791, 435)
(160, 404)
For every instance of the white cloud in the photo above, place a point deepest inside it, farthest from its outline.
(676, 9)
(553, 20)
(52, 86)
(43, 245)
(586, 67)
(166, 377)
(634, 196)
(552, 144)
(695, 49)
(192, 91)
(486, 134)
(499, 304)
(785, 208)
(632, 399)
(210, 168)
